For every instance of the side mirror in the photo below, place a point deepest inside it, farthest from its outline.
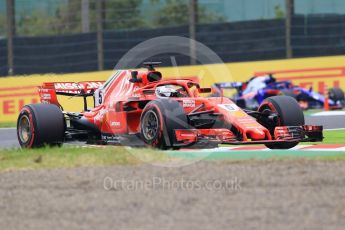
(204, 90)
(134, 78)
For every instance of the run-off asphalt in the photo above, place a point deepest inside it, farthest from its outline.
(295, 194)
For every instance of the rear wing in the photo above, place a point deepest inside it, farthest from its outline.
(48, 91)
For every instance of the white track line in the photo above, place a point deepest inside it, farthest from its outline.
(328, 113)
(299, 147)
(334, 129)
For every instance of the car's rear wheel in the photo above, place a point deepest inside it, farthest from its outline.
(289, 92)
(336, 94)
(289, 114)
(158, 121)
(39, 125)
(302, 100)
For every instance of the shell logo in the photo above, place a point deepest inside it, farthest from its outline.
(239, 114)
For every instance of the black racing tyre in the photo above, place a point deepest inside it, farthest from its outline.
(158, 121)
(336, 94)
(39, 125)
(289, 114)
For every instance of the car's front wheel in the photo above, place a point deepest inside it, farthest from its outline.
(158, 121)
(289, 114)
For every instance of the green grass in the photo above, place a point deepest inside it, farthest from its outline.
(334, 137)
(75, 156)
(8, 124)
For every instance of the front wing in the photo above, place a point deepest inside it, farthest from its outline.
(282, 134)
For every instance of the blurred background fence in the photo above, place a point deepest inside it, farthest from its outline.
(88, 35)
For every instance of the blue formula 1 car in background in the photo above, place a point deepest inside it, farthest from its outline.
(250, 94)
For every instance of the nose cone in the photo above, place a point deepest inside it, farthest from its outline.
(256, 134)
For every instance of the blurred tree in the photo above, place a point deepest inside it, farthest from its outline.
(279, 13)
(68, 17)
(118, 14)
(175, 12)
(123, 14)
(65, 20)
(38, 23)
(2, 26)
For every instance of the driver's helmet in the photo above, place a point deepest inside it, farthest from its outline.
(165, 91)
(270, 79)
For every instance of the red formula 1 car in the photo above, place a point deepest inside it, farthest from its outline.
(135, 107)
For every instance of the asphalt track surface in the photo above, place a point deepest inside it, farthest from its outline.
(328, 122)
(8, 136)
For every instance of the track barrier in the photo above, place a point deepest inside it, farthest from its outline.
(15, 92)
